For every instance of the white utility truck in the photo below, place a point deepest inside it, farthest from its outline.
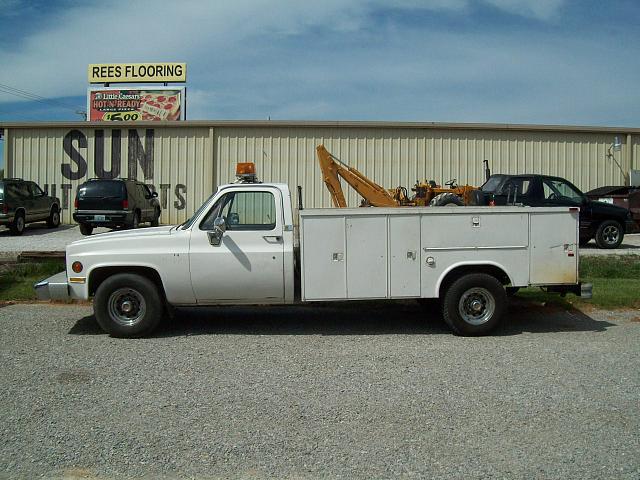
(239, 247)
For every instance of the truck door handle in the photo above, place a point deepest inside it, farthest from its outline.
(268, 238)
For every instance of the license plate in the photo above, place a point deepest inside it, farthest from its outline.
(99, 218)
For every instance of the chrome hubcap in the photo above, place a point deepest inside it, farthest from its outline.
(126, 306)
(610, 234)
(476, 306)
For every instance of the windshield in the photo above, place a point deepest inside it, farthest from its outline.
(101, 189)
(492, 184)
(558, 189)
(189, 221)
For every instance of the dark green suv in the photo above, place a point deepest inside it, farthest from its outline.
(22, 202)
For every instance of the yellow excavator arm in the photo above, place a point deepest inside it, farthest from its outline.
(332, 168)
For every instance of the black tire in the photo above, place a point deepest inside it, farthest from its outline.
(85, 229)
(609, 234)
(474, 304)
(17, 226)
(155, 221)
(54, 218)
(446, 199)
(136, 220)
(128, 305)
(511, 291)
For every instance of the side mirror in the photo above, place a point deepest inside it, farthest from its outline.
(154, 194)
(215, 235)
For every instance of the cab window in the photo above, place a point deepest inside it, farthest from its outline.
(243, 211)
(517, 187)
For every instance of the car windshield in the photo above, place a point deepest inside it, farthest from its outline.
(557, 189)
(101, 189)
(189, 221)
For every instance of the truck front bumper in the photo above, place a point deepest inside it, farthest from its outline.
(55, 287)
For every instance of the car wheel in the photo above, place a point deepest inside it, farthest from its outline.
(473, 305)
(511, 291)
(128, 305)
(446, 199)
(85, 229)
(54, 218)
(17, 226)
(155, 221)
(609, 234)
(136, 220)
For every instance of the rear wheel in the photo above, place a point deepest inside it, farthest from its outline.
(17, 226)
(85, 229)
(609, 234)
(474, 304)
(54, 218)
(128, 305)
(446, 199)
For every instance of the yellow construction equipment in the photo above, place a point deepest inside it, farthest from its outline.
(426, 193)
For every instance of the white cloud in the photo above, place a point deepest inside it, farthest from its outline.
(292, 59)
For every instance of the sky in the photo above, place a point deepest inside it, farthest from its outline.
(499, 61)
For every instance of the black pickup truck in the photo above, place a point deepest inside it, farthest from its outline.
(605, 222)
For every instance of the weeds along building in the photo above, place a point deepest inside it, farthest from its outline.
(185, 161)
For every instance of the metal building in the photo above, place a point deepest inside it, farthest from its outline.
(185, 161)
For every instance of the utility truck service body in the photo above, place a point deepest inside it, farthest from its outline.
(240, 248)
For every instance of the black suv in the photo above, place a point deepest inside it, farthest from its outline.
(115, 203)
(22, 202)
(605, 222)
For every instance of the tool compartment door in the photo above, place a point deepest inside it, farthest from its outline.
(366, 256)
(554, 248)
(324, 273)
(404, 256)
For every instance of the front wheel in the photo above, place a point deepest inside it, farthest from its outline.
(136, 220)
(54, 218)
(474, 304)
(609, 234)
(155, 221)
(128, 305)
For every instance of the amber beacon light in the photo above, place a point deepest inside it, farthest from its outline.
(246, 172)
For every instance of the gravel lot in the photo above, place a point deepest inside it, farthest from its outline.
(37, 237)
(355, 391)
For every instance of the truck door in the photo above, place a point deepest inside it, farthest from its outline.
(248, 264)
(557, 192)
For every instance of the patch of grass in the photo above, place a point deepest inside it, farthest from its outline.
(618, 266)
(615, 279)
(16, 281)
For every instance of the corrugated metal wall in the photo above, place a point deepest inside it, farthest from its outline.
(393, 156)
(189, 161)
(181, 167)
